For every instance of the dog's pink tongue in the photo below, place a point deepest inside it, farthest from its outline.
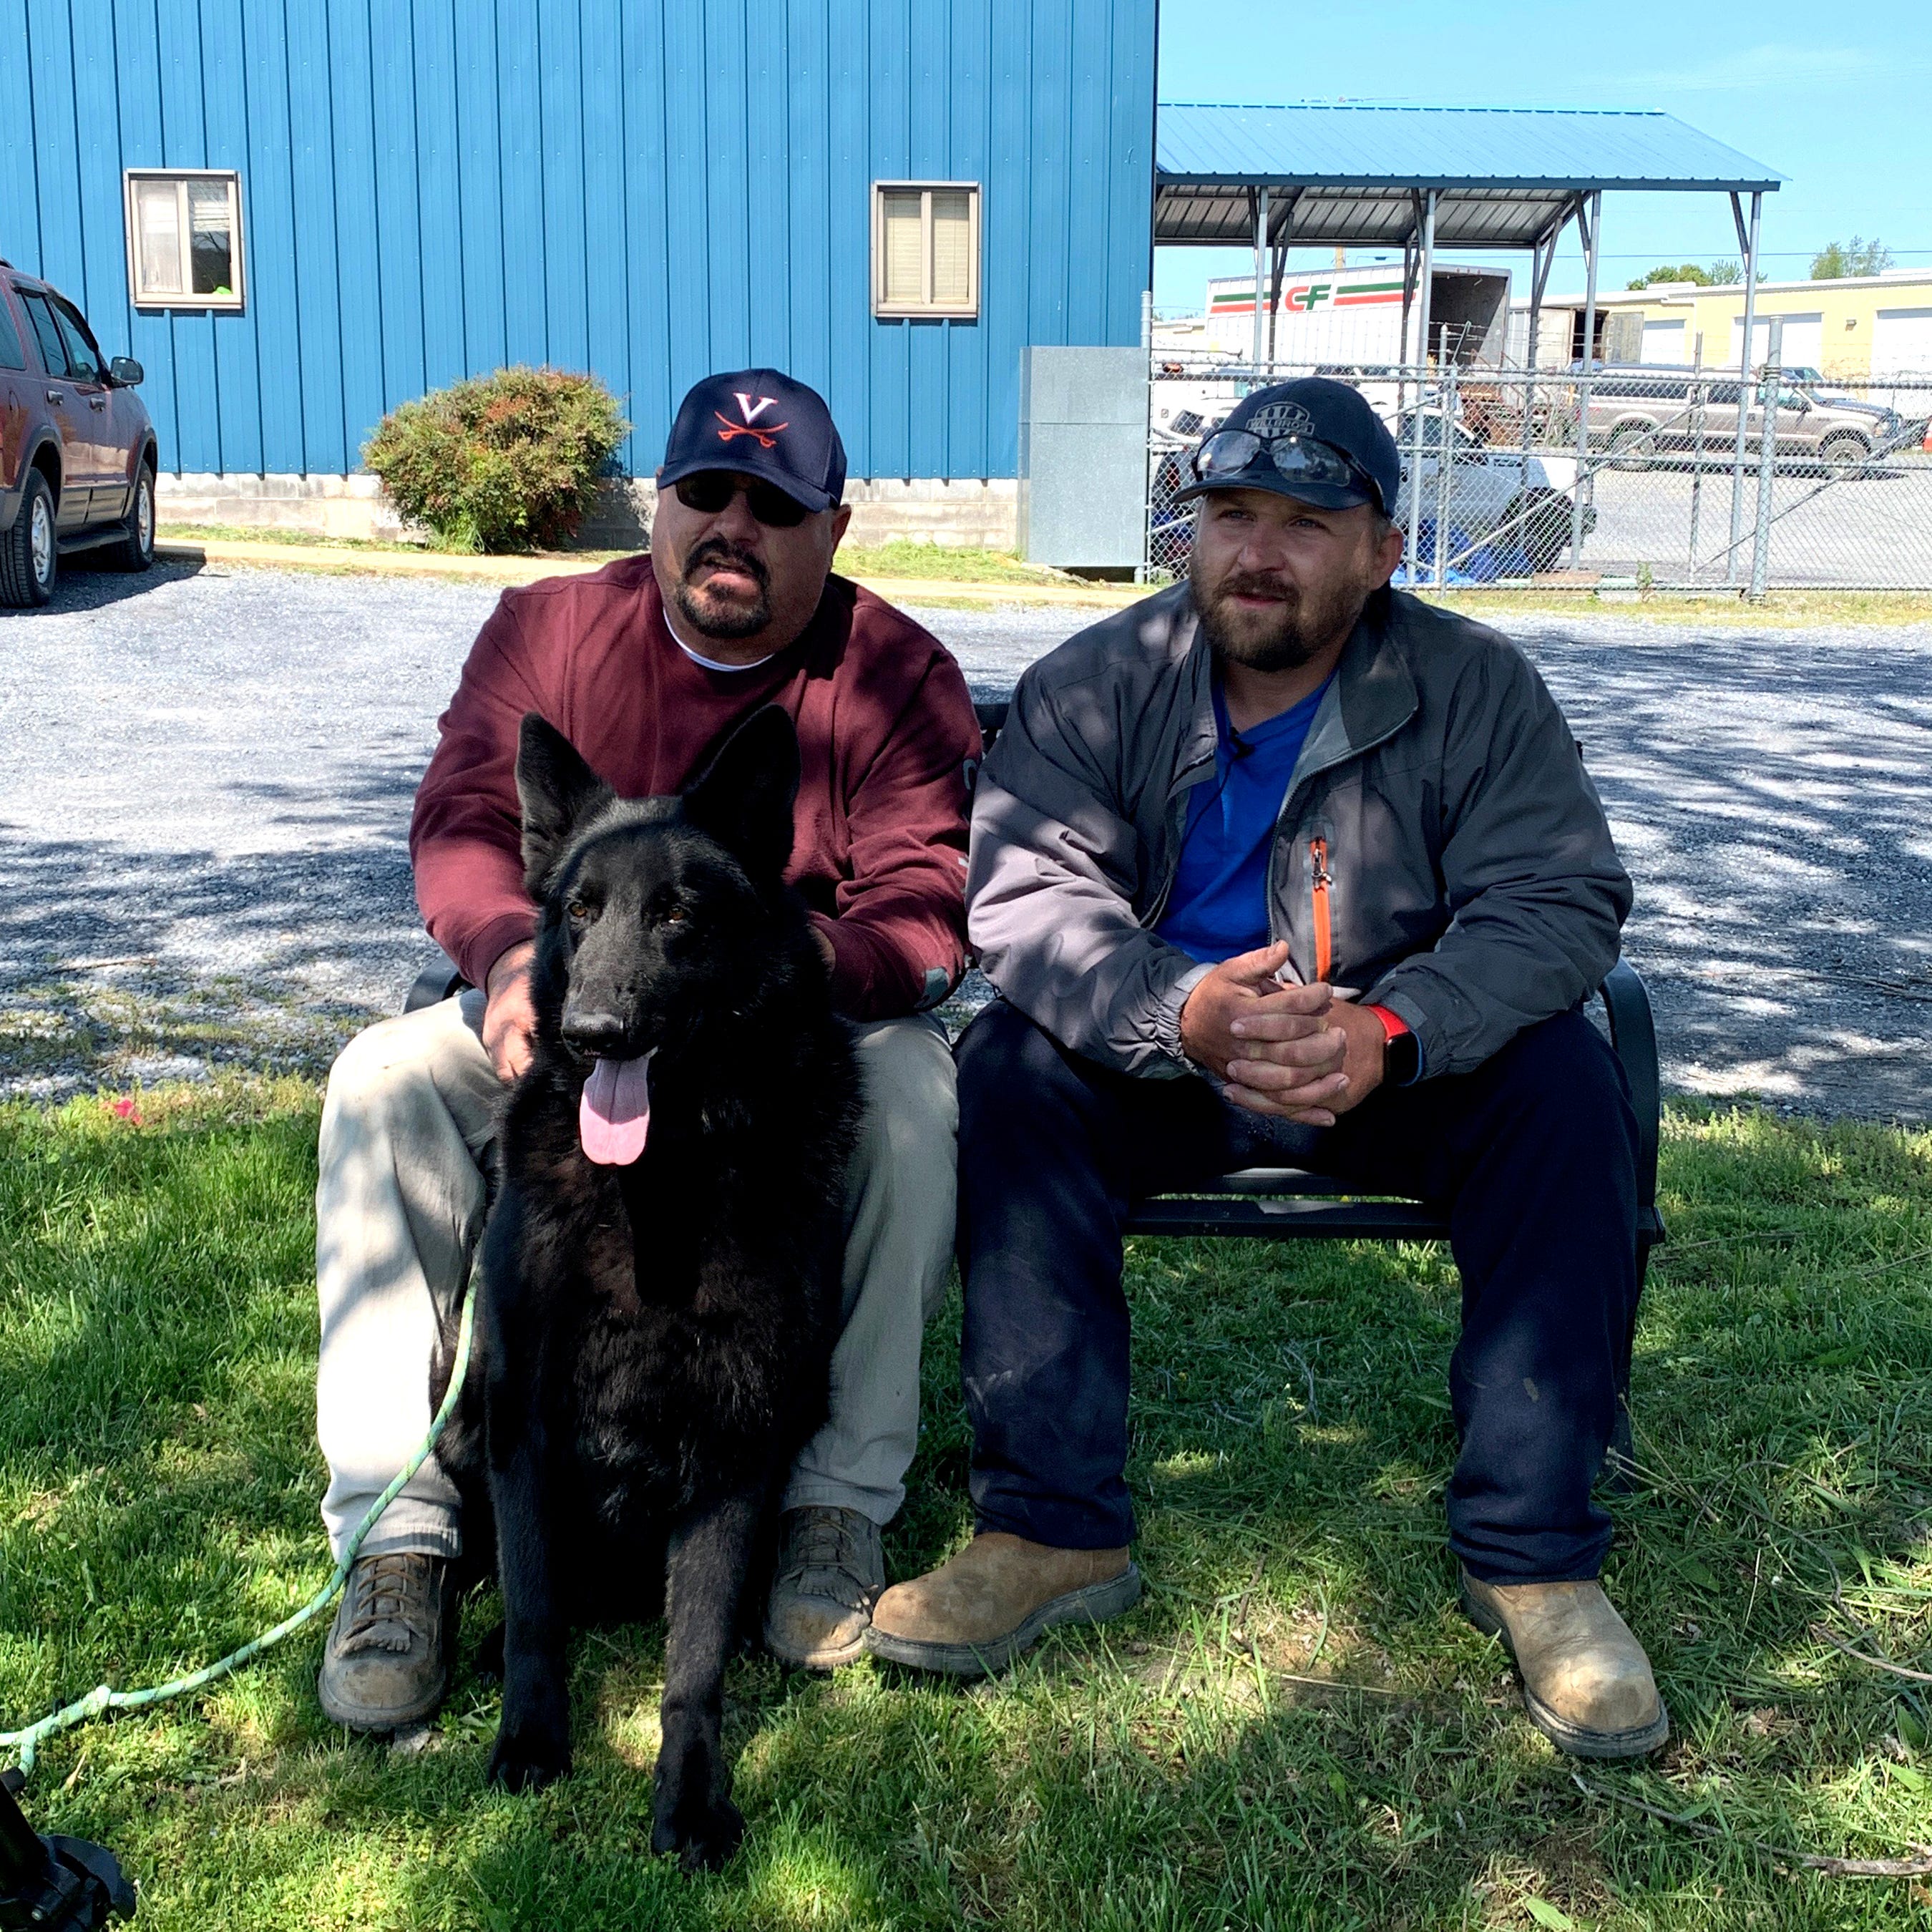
(614, 1120)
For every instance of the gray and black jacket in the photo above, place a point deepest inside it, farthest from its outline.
(1441, 849)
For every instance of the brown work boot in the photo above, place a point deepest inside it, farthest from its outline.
(1586, 1683)
(386, 1663)
(977, 1612)
(830, 1572)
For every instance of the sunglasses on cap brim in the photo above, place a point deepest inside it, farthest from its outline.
(708, 491)
(1228, 453)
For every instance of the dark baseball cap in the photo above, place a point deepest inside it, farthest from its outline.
(1295, 430)
(761, 423)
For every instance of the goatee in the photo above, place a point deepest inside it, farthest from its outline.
(713, 617)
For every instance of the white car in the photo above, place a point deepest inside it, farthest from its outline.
(1496, 496)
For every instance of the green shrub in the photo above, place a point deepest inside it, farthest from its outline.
(508, 461)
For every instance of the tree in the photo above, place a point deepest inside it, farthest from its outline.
(1857, 256)
(1715, 276)
(1684, 271)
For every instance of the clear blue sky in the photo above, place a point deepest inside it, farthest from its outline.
(1837, 101)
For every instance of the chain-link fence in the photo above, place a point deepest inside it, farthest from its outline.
(1673, 481)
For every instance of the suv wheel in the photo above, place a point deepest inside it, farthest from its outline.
(30, 551)
(136, 550)
(1845, 455)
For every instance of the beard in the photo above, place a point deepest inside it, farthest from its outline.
(724, 618)
(1293, 630)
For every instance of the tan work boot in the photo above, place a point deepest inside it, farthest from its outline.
(830, 1572)
(1586, 1683)
(386, 1663)
(977, 1612)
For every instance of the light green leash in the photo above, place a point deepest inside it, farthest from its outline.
(103, 1697)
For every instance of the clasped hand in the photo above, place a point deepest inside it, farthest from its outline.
(1293, 1051)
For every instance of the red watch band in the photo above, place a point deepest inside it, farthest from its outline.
(1393, 1025)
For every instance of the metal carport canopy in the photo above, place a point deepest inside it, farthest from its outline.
(1503, 176)
(1423, 178)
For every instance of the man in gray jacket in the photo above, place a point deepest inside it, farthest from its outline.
(1282, 866)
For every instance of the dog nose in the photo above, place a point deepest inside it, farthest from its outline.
(594, 1033)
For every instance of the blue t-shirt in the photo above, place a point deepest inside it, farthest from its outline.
(1219, 906)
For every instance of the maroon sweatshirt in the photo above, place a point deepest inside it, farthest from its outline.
(886, 734)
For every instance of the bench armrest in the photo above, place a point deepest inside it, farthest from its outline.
(437, 982)
(1634, 1035)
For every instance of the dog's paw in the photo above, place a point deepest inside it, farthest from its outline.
(704, 1835)
(529, 1759)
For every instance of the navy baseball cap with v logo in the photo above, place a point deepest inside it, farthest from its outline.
(759, 424)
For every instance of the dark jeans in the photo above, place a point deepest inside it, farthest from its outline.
(1532, 1157)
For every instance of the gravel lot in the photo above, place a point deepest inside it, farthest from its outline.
(207, 782)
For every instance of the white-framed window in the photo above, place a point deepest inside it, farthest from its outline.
(926, 248)
(185, 238)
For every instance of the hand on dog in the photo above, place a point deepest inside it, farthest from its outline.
(509, 1016)
(1275, 1047)
(826, 951)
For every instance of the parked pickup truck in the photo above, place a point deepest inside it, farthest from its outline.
(78, 456)
(1648, 415)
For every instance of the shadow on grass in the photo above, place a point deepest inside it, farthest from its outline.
(1167, 1770)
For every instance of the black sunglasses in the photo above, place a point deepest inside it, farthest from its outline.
(710, 491)
(1228, 452)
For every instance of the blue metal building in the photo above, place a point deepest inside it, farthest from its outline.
(647, 189)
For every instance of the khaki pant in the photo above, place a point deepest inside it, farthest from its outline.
(412, 1107)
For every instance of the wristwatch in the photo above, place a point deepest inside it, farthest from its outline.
(1402, 1051)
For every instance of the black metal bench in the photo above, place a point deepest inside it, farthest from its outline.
(1289, 1204)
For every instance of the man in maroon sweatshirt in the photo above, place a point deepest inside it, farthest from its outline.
(644, 666)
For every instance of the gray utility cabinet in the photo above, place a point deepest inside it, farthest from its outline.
(1083, 458)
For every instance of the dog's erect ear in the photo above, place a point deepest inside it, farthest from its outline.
(743, 798)
(558, 791)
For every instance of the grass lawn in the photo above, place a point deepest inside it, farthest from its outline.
(903, 560)
(953, 563)
(1797, 608)
(173, 532)
(158, 1482)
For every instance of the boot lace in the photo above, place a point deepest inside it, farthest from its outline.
(389, 1601)
(824, 1557)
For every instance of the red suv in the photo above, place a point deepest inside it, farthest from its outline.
(77, 453)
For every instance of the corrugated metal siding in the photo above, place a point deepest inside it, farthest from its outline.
(433, 187)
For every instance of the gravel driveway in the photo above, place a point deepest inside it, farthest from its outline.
(206, 787)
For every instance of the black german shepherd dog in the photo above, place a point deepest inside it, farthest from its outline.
(660, 1279)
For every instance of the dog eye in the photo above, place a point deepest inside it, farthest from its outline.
(670, 916)
(577, 910)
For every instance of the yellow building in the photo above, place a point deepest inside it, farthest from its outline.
(1855, 330)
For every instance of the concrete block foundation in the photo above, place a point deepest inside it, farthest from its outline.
(976, 512)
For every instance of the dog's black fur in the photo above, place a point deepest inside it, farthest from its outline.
(652, 1343)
